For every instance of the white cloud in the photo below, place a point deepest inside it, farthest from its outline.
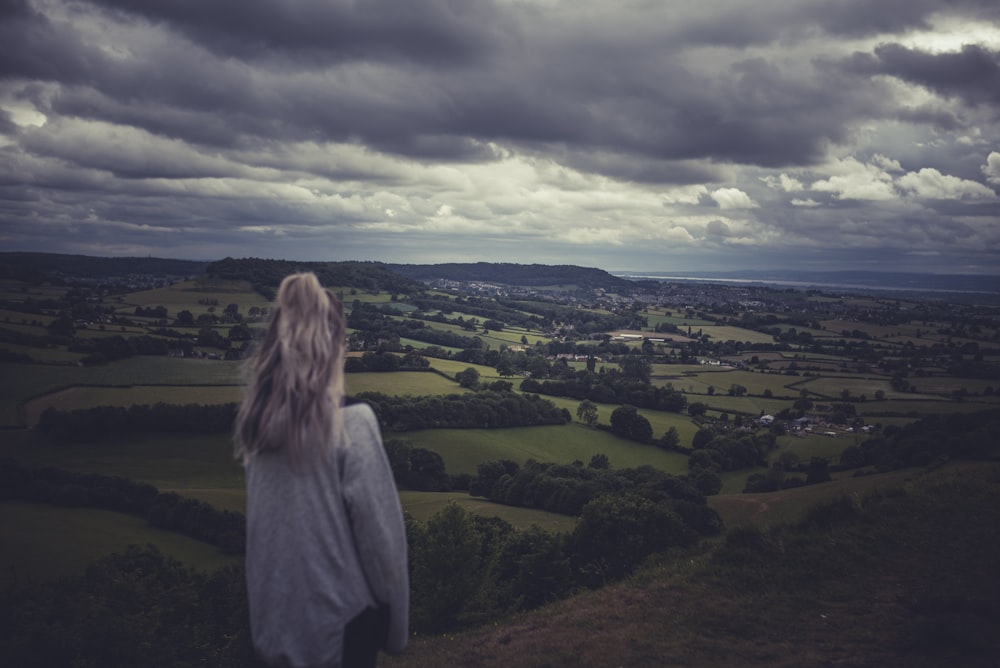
(887, 164)
(783, 182)
(853, 179)
(929, 183)
(808, 202)
(733, 198)
(684, 194)
(992, 168)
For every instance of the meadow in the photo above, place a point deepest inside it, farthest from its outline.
(202, 466)
(36, 536)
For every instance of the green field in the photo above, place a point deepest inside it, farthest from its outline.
(43, 542)
(189, 461)
(401, 383)
(185, 295)
(19, 382)
(738, 334)
(202, 466)
(723, 378)
(791, 505)
(423, 505)
(463, 450)
(74, 398)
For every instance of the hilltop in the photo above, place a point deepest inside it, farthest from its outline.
(507, 274)
(903, 577)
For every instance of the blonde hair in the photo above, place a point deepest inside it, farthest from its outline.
(295, 379)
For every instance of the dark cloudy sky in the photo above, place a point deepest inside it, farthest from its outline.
(648, 135)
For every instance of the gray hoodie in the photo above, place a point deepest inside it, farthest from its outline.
(324, 542)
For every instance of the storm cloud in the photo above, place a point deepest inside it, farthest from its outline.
(627, 135)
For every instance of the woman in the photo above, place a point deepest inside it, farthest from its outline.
(326, 544)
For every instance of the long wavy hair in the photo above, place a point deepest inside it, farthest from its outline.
(295, 375)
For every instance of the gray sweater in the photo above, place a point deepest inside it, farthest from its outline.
(324, 542)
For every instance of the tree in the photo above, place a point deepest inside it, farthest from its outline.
(445, 558)
(697, 409)
(708, 481)
(586, 412)
(671, 439)
(599, 461)
(626, 422)
(617, 532)
(468, 379)
(818, 471)
(505, 368)
(636, 367)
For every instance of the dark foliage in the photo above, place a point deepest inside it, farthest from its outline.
(375, 324)
(729, 451)
(417, 468)
(138, 608)
(566, 489)
(364, 275)
(102, 421)
(386, 362)
(964, 436)
(474, 410)
(610, 388)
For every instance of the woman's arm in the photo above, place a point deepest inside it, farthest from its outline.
(376, 517)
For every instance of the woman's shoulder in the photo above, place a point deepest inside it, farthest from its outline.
(360, 419)
(360, 412)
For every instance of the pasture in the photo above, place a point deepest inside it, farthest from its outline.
(423, 505)
(401, 383)
(36, 537)
(195, 295)
(19, 382)
(791, 505)
(463, 450)
(77, 397)
(738, 334)
(177, 462)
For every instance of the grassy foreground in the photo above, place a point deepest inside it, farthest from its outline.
(903, 577)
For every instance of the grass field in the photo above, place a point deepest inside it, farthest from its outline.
(401, 383)
(20, 382)
(74, 398)
(463, 450)
(185, 295)
(188, 461)
(423, 505)
(42, 542)
(738, 334)
(790, 505)
(746, 405)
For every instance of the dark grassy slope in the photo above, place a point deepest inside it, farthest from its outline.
(907, 577)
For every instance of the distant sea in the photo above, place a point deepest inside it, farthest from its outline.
(843, 280)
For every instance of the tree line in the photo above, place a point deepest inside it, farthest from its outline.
(610, 388)
(375, 323)
(921, 443)
(485, 409)
(373, 276)
(88, 424)
(567, 488)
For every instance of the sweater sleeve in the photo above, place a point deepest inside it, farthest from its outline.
(376, 517)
